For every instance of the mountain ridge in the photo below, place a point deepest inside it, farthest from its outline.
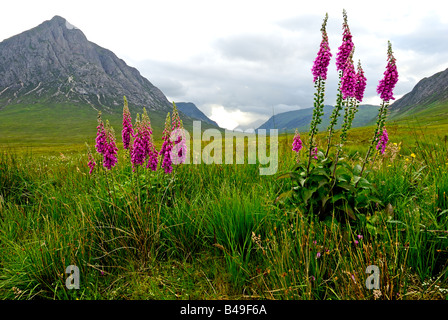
(300, 119)
(55, 62)
(428, 93)
(191, 110)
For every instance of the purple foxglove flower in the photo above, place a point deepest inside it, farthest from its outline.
(383, 141)
(346, 47)
(101, 139)
(167, 145)
(111, 150)
(314, 153)
(387, 84)
(320, 66)
(361, 82)
(153, 159)
(91, 163)
(127, 126)
(297, 143)
(348, 80)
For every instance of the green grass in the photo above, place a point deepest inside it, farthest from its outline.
(212, 231)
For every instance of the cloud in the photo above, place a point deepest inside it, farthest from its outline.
(253, 74)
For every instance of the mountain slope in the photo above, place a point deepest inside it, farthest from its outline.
(192, 111)
(54, 62)
(429, 97)
(301, 119)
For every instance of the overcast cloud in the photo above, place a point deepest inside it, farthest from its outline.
(241, 61)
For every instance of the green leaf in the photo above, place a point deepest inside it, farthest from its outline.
(357, 170)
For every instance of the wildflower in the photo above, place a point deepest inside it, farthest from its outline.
(356, 242)
(346, 47)
(111, 150)
(413, 155)
(101, 139)
(318, 255)
(91, 162)
(297, 143)
(360, 236)
(165, 151)
(314, 153)
(139, 145)
(322, 60)
(348, 81)
(143, 148)
(383, 141)
(387, 84)
(360, 83)
(127, 125)
(179, 144)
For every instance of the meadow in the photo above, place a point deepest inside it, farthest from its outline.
(222, 231)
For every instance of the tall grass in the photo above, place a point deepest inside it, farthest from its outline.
(216, 231)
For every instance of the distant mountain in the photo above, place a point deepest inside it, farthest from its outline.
(301, 119)
(55, 63)
(190, 109)
(428, 97)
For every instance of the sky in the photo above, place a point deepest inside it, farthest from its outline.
(241, 61)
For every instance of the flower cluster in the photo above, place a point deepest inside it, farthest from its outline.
(361, 82)
(348, 81)
(111, 150)
(105, 143)
(320, 66)
(314, 153)
(386, 85)
(346, 47)
(383, 141)
(143, 148)
(127, 131)
(91, 162)
(297, 143)
(167, 145)
(179, 144)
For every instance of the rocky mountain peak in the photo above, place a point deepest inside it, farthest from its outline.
(55, 62)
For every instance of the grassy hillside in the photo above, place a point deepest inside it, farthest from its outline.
(431, 114)
(63, 127)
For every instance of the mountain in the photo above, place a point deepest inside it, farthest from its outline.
(190, 109)
(53, 82)
(54, 62)
(429, 97)
(301, 119)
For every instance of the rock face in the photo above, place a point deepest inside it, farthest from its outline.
(55, 62)
(427, 91)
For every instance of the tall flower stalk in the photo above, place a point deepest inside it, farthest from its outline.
(143, 148)
(342, 56)
(105, 143)
(297, 145)
(385, 90)
(319, 71)
(165, 151)
(111, 150)
(179, 143)
(127, 131)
